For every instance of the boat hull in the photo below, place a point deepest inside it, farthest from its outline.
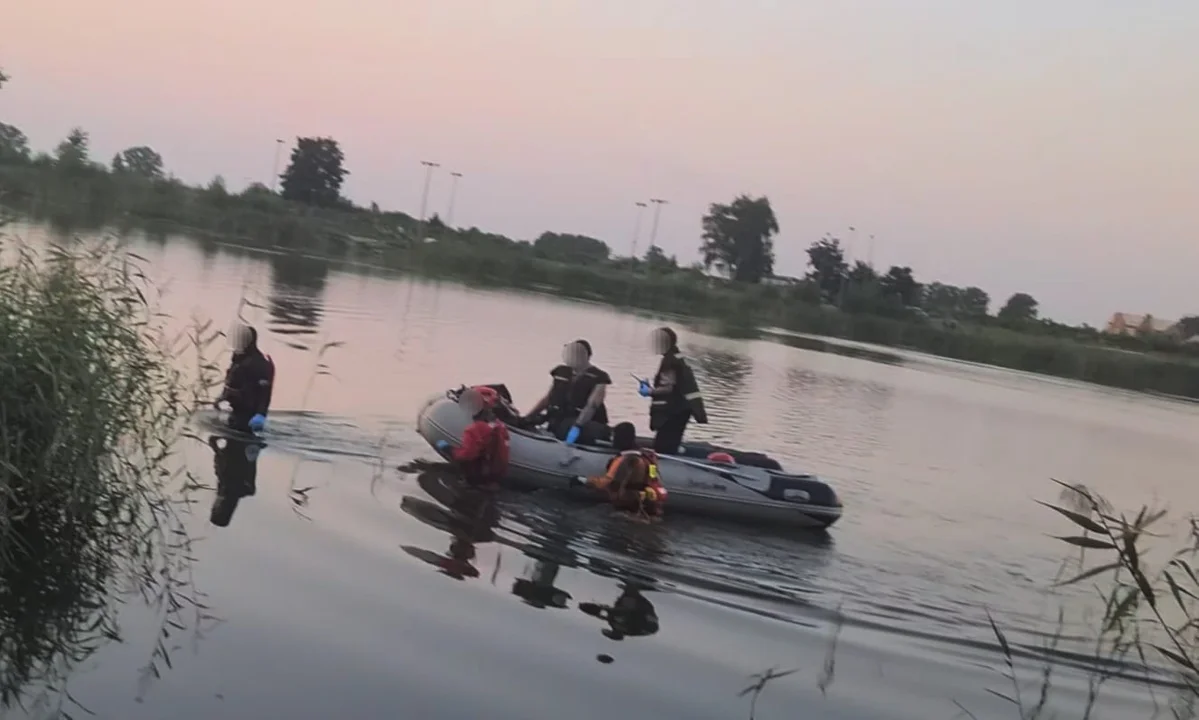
(756, 495)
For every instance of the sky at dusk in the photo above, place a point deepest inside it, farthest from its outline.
(1046, 147)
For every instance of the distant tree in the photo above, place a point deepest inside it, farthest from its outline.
(657, 261)
(217, 187)
(974, 303)
(3, 78)
(829, 270)
(571, 248)
(140, 160)
(740, 237)
(72, 153)
(256, 188)
(1187, 327)
(434, 227)
(14, 146)
(862, 274)
(315, 172)
(1019, 308)
(900, 286)
(375, 208)
(955, 302)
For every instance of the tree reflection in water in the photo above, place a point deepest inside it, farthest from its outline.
(296, 299)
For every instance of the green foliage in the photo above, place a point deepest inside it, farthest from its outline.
(656, 260)
(1150, 612)
(3, 78)
(72, 153)
(829, 270)
(14, 146)
(141, 161)
(315, 173)
(739, 238)
(1187, 327)
(89, 494)
(564, 247)
(1019, 308)
(949, 301)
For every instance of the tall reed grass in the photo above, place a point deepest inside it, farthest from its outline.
(92, 499)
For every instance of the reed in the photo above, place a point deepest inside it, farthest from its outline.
(92, 498)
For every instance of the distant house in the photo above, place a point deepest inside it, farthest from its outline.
(1134, 324)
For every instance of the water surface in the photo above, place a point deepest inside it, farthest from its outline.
(345, 589)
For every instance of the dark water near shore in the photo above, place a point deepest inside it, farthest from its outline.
(355, 599)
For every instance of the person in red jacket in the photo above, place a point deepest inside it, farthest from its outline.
(483, 455)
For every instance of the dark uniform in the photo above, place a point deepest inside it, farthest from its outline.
(568, 397)
(669, 414)
(249, 383)
(236, 468)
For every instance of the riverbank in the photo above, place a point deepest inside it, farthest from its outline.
(258, 218)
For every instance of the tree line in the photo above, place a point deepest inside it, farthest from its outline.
(736, 244)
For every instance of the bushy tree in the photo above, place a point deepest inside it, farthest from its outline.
(829, 271)
(1019, 308)
(315, 173)
(72, 153)
(899, 286)
(141, 161)
(14, 146)
(565, 247)
(657, 261)
(739, 237)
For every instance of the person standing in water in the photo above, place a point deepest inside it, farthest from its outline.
(574, 405)
(674, 395)
(249, 382)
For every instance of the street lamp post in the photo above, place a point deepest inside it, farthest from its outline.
(653, 232)
(424, 198)
(449, 213)
(637, 227)
(275, 167)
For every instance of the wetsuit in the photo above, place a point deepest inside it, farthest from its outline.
(249, 384)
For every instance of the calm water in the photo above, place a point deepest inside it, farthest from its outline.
(342, 591)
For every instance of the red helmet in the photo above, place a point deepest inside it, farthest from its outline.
(488, 394)
(722, 457)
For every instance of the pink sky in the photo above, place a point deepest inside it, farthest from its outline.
(1013, 147)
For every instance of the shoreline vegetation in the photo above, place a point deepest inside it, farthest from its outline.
(733, 288)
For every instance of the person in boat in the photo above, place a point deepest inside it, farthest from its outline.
(631, 478)
(235, 463)
(574, 409)
(674, 395)
(249, 382)
(483, 455)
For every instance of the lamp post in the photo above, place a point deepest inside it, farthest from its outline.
(424, 198)
(637, 227)
(653, 233)
(275, 167)
(449, 213)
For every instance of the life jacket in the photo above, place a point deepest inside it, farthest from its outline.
(642, 487)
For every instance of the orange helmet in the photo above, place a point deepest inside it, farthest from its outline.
(721, 457)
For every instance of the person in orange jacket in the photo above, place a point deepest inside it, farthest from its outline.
(631, 478)
(483, 455)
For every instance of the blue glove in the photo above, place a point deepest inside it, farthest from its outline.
(572, 436)
(643, 388)
(442, 446)
(257, 423)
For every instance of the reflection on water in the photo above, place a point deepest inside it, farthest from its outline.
(296, 299)
(911, 449)
(235, 463)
